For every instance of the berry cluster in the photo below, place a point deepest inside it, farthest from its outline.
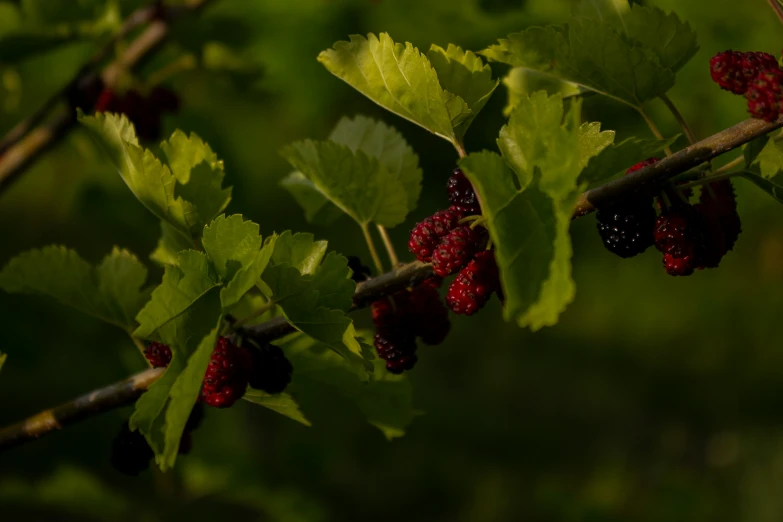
(232, 368)
(688, 236)
(145, 111)
(131, 454)
(755, 75)
(404, 316)
(454, 247)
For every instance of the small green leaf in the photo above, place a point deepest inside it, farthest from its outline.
(171, 243)
(282, 403)
(399, 78)
(300, 250)
(463, 74)
(189, 197)
(603, 163)
(358, 184)
(318, 209)
(3, 357)
(182, 285)
(588, 53)
(315, 297)
(671, 40)
(528, 210)
(768, 161)
(773, 189)
(231, 243)
(387, 145)
(112, 291)
(384, 399)
(520, 82)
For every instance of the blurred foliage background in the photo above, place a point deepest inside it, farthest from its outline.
(655, 398)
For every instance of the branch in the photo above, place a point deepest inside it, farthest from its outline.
(25, 143)
(411, 274)
(103, 399)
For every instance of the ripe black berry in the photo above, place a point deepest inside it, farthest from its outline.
(461, 194)
(360, 271)
(395, 340)
(130, 453)
(271, 371)
(627, 230)
(679, 235)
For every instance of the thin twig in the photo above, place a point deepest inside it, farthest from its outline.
(654, 128)
(24, 144)
(678, 116)
(389, 246)
(646, 180)
(777, 8)
(376, 259)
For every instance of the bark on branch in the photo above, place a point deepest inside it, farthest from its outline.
(27, 141)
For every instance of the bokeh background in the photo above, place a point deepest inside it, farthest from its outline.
(655, 398)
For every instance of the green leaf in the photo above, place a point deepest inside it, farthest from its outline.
(171, 243)
(399, 78)
(601, 162)
(231, 243)
(187, 387)
(187, 198)
(773, 189)
(3, 357)
(314, 296)
(463, 74)
(387, 145)
(299, 250)
(671, 40)
(358, 184)
(112, 291)
(282, 403)
(182, 285)
(384, 399)
(529, 209)
(318, 209)
(768, 161)
(520, 82)
(588, 53)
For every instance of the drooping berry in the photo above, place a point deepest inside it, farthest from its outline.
(427, 234)
(764, 94)
(429, 315)
(461, 194)
(271, 370)
(679, 235)
(627, 229)
(130, 453)
(225, 381)
(360, 272)
(456, 248)
(158, 354)
(473, 286)
(718, 199)
(395, 340)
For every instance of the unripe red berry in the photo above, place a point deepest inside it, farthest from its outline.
(473, 287)
(456, 248)
(158, 354)
(428, 233)
(226, 379)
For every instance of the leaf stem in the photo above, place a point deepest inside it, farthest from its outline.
(680, 119)
(653, 127)
(389, 246)
(140, 346)
(371, 246)
(460, 148)
(777, 8)
(261, 310)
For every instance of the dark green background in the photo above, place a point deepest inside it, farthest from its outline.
(655, 398)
